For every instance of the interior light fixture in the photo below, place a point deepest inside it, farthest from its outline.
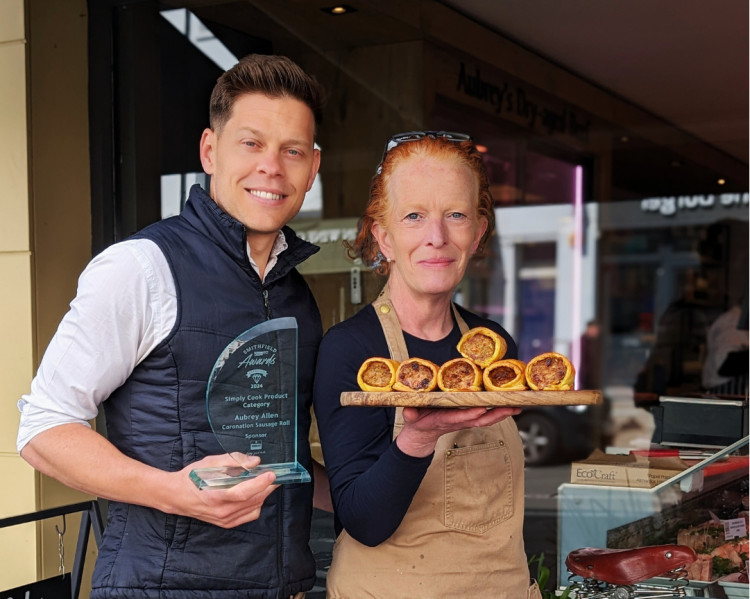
(721, 181)
(481, 149)
(339, 9)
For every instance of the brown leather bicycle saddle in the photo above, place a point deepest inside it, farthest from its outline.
(628, 566)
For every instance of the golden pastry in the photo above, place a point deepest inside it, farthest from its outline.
(460, 374)
(505, 375)
(377, 374)
(416, 374)
(482, 345)
(550, 372)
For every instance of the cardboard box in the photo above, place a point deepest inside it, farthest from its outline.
(624, 470)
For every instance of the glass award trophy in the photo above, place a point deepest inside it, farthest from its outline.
(251, 400)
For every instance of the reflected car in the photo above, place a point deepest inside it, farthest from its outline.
(556, 434)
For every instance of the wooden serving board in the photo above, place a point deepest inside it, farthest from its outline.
(468, 399)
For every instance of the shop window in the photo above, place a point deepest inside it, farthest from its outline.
(200, 36)
(501, 160)
(667, 276)
(536, 294)
(548, 180)
(175, 188)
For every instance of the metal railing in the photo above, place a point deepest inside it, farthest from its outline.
(90, 518)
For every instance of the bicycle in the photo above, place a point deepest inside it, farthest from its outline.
(622, 573)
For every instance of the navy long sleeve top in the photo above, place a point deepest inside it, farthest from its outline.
(372, 481)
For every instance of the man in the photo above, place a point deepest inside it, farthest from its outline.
(150, 317)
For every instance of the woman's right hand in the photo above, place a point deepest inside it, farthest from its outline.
(424, 426)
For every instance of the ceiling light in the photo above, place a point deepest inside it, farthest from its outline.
(481, 149)
(721, 181)
(339, 9)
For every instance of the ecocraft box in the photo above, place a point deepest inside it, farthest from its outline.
(624, 470)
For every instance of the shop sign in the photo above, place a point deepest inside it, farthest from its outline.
(522, 105)
(670, 205)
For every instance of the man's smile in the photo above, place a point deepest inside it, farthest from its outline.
(266, 195)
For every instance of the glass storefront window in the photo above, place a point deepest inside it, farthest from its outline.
(536, 294)
(548, 180)
(501, 160)
(666, 278)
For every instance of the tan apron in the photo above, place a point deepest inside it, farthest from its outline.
(463, 533)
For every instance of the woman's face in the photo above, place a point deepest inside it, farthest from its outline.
(432, 228)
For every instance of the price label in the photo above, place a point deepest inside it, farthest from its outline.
(734, 528)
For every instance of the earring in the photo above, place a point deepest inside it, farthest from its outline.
(388, 260)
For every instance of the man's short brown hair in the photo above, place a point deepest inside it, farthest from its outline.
(271, 75)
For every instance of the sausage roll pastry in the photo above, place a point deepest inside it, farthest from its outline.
(377, 374)
(482, 345)
(416, 374)
(460, 374)
(505, 375)
(550, 372)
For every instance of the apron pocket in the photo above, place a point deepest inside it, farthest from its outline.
(478, 487)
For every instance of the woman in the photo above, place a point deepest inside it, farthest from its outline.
(428, 502)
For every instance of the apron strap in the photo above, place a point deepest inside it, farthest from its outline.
(394, 337)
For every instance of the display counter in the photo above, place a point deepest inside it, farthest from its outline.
(714, 489)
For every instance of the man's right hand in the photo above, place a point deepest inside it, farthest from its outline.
(226, 507)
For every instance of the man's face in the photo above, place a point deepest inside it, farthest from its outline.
(262, 162)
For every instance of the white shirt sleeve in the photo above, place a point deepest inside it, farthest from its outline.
(124, 307)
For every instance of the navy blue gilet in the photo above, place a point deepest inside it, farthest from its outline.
(158, 416)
